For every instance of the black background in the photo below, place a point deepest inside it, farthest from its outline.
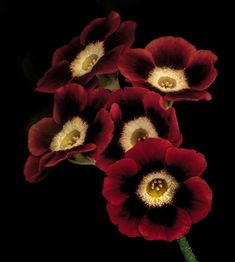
(64, 215)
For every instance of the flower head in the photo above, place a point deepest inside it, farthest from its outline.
(96, 51)
(172, 67)
(80, 125)
(138, 114)
(156, 191)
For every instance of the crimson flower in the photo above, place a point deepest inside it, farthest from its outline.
(96, 51)
(156, 191)
(172, 67)
(80, 125)
(138, 113)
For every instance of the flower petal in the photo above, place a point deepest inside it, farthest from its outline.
(201, 198)
(124, 168)
(112, 190)
(41, 134)
(108, 63)
(100, 131)
(164, 119)
(127, 96)
(125, 35)
(32, 170)
(200, 71)
(171, 51)
(116, 112)
(149, 150)
(136, 64)
(189, 95)
(69, 101)
(63, 155)
(54, 78)
(189, 161)
(103, 163)
(97, 98)
(154, 231)
(100, 28)
(127, 224)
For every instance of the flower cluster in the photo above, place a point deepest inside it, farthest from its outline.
(153, 188)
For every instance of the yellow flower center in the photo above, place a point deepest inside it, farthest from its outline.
(167, 82)
(87, 59)
(73, 134)
(167, 79)
(139, 134)
(136, 130)
(70, 139)
(89, 62)
(157, 187)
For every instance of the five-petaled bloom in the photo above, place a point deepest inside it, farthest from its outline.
(80, 125)
(138, 113)
(172, 67)
(156, 191)
(95, 52)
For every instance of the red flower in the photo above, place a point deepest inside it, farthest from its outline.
(172, 67)
(137, 114)
(96, 51)
(80, 125)
(156, 191)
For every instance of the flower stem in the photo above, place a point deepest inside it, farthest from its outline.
(186, 250)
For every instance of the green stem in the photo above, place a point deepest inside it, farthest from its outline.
(186, 250)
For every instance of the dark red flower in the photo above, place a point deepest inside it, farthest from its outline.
(96, 51)
(138, 113)
(172, 67)
(156, 191)
(80, 125)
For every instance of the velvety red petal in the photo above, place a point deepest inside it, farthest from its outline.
(102, 132)
(116, 112)
(149, 150)
(189, 95)
(100, 28)
(63, 155)
(41, 134)
(69, 101)
(126, 95)
(136, 64)
(92, 84)
(109, 62)
(112, 192)
(174, 133)
(31, 168)
(200, 71)
(60, 54)
(153, 231)
(127, 224)
(97, 98)
(171, 51)
(153, 104)
(201, 198)
(123, 168)
(32, 172)
(125, 35)
(54, 78)
(103, 163)
(67, 52)
(191, 162)
(134, 93)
